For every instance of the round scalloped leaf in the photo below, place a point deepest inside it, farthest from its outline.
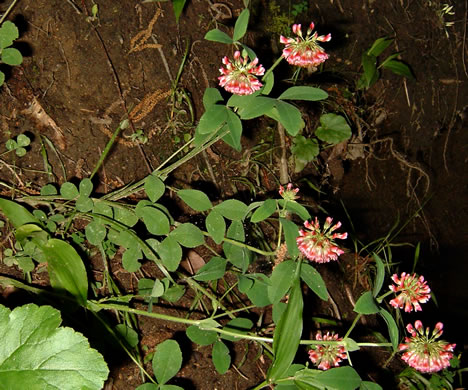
(36, 353)
(12, 56)
(8, 33)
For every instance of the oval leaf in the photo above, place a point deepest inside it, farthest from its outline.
(232, 209)
(170, 252)
(155, 221)
(215, 226)
(196, 199)
(95, 232)
(201, 337)
(216, 35)
(240, 27)
(304, 93)
(188, 235)
(281, 280)
(366, 304)
(221, 358)
(212, 270)
(17, 214)
(167, 360)
(212, 119)
(66, 269)
(314, 280)
(154, 188)
(264, 211)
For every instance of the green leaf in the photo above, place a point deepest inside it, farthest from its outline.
(258, 293)
(36, 353)
(86, 187)
(149, 386)
(8, 33)
(174, 293)
(170, 387)
(392, 328)
(2, 78)
(216, 35)
(212, 119)
(167, 361)
(278, 310)
(239, 256)
(201, 337)
(287, 334)
(291, 232)
(334, 129)
(212, 270)
(154, 188)
(69, 191)
(258, 106)
(340, 378)
(240, 28)
(196, 199)
(23, 140)
(305, 149)
(379, 279)
(314, 280)
(128, 334)
(124, 215)
(269, 83)
(397, 67)
(188, 235)
(155, 221)
(18, 215)
(84, 204)
(281, 280)
(232, 209)
(296, 208)
(366, 304)
(178, 6)
(95, 232)
(379, 46)
(221, 357)
(102, 209)
(170, 252)
(216, 226)
(66, 269)
(304, 93)
(130, 258)
(267, 208)
(370, 74)
(233, 138)
(211, 97)
(290, 117)
(367, 385)
(237, 325)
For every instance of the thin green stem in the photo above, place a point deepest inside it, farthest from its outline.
(8, 11)
(122, 125)
(356, 319)
(271, 69)
(381, 297)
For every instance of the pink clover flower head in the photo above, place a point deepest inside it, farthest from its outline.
(423, 352)
(327, 356)
(318, 244)
(289, 193)
(240, 76)
(411, 289)
(305, 52)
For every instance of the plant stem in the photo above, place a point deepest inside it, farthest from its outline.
(272, 67)
(108, 147)
(8, 11)
(356, 319)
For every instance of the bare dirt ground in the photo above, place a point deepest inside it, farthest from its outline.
(81, 75)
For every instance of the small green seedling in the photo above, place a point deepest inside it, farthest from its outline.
(371, 64)
(8, 55)
(19, 145)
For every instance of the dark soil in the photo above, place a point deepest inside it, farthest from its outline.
(408, 166)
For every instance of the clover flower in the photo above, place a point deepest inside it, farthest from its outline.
(327, 355)
(240, 76)
(289, 193)
(412, 291)
(318, 245)
(305, 52)
(424, 353)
